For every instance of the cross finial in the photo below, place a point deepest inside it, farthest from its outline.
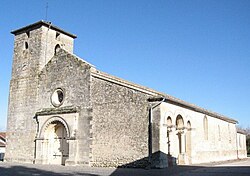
(46, 15)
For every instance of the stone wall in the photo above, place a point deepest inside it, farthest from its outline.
(241, 140)
(119, 126)
(220, 143)
(50, 39)
(72, 75)
(33, 48)
(111, 115)
(22, 98)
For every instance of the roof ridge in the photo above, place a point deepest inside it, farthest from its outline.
(153, 92)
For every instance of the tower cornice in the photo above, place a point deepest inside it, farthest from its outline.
(38, 25)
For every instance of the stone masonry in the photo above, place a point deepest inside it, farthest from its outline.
(62, 110)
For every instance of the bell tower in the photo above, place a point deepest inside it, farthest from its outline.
(34, 46)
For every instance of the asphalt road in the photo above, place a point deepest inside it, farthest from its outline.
(239, 168)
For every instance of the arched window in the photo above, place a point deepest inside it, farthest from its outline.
(180, 126)
(179, 122)
(169, 122)
(189, 125)
(219, 132)
(57, 48)
(26, 45)
(229, 133)
(240, 141)
(205, 127)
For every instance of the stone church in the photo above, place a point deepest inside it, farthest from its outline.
(62, 110)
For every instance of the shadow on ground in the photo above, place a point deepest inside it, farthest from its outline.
(24, 171)
(176, 170)
(186, 170)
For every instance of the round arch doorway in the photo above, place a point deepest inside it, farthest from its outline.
(55, 145)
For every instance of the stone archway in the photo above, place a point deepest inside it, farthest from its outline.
(55, 148)
(180, 127)
(181, 139)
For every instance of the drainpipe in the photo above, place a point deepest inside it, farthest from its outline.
(150, 120)
(37, 130)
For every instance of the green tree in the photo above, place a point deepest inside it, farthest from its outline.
(248, 139)
(247, 130)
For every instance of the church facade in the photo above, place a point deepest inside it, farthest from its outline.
(62, 110)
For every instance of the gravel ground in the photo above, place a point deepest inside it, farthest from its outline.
(231, 168)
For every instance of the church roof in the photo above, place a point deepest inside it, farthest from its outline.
(38, 25)
(2, 134)
(153, 93)
(105, 76)
(241, 131)
(2, 139)
(2, 144)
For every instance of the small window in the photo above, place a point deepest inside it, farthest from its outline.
(57, 48)
(188, 125)
(205, 126)
(179, 122)
(26, 45)
(229, 133)
(240, 141)
(219, 133)
(169, 122)
(57, 97)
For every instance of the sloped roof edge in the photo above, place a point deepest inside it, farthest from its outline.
(3, 134)
(2, 144)
(153, 93)
(241, 131)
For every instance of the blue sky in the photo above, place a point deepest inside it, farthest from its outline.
(197, 51)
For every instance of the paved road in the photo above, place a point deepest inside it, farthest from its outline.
(239, 168)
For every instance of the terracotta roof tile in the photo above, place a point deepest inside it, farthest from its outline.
(2, 144)
(3, 134)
